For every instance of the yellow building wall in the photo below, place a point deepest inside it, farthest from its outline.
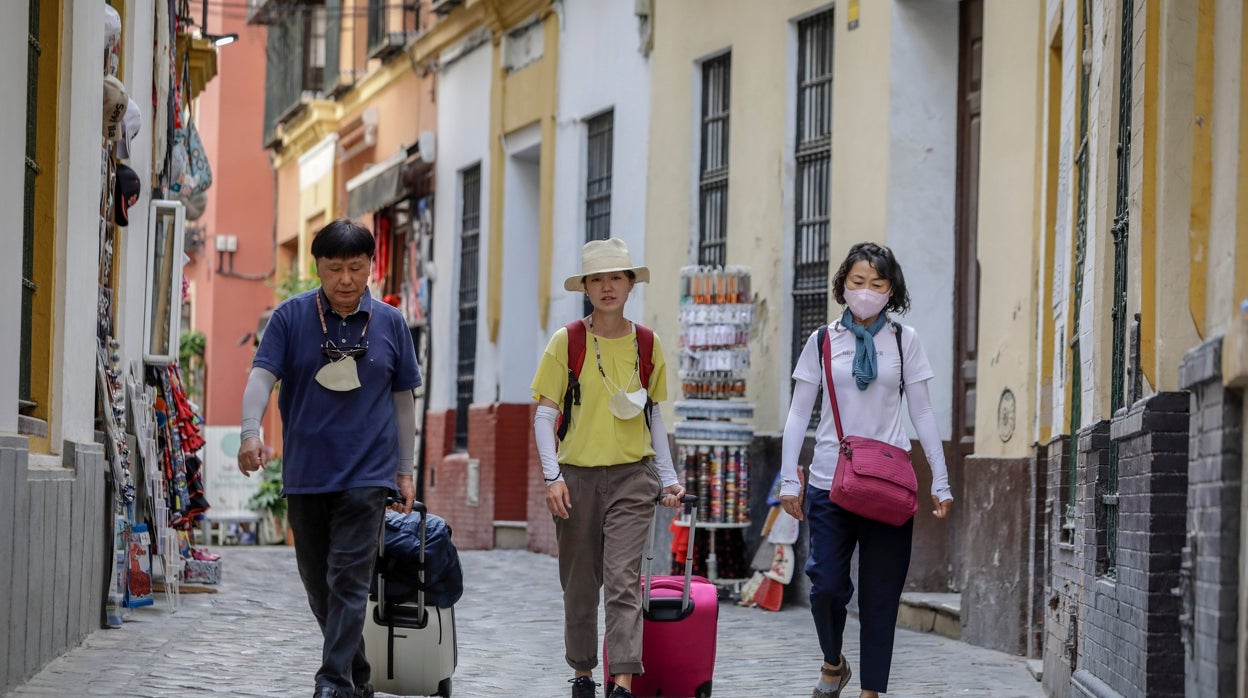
(761, 37)
(1010, 207)
(518, 99)
(289, 222)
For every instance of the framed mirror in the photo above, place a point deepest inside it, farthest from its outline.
(161, 324)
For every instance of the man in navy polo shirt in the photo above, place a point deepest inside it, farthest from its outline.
(348, 368)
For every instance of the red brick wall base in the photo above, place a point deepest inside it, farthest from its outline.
(500, 451)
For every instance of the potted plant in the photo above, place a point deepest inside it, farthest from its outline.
(268, 500)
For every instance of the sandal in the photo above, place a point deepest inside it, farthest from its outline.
(838, 676)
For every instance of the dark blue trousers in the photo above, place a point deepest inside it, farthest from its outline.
(336, 536)
(883, 560)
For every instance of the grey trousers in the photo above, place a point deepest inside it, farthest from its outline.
(600, 547)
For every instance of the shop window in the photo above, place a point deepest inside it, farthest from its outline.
(713, 168)
(469, 266)
(813, 159)
(39, 222)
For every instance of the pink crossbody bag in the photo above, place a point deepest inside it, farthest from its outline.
(873, 479)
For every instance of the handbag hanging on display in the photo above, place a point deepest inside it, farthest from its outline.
(873, 479)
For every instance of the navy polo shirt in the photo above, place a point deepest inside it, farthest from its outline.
(338, 440)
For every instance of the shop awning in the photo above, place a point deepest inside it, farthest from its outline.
(377, 187)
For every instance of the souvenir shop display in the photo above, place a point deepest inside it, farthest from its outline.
(149, 429)
(714, 431)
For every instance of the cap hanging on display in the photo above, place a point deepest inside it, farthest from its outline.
(115, 103)
(129, 129)
(125, 194)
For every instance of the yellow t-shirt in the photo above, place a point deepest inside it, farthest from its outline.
(596, 437)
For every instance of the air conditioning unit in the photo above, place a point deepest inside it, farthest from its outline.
(444, 7)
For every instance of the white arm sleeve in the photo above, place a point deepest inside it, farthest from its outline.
(256, 399)
(924, 420)
(804, 394)
(544, 436)
(662, 450)
(405, 418)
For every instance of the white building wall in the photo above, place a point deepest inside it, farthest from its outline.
(600, 68)
(13, 47)
(922, 164)
(78, 249)
(463, 141)
(133, 256)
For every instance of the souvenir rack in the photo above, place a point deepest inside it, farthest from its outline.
(714, 431)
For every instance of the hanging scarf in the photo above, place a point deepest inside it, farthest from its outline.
(864, 353)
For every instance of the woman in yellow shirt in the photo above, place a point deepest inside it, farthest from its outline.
(602, 479)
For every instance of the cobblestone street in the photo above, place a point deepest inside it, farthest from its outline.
(256, 637)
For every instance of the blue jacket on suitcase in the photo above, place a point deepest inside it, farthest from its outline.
(444, 579)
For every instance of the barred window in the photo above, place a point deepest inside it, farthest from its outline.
(469, 265)
(600, 142)
(814, 161)
(713, 169)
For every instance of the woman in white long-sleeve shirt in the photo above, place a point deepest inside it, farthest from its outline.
(867, 364)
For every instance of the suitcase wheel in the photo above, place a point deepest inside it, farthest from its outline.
(444, 688)
(704, 691)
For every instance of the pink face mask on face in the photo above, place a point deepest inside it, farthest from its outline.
(865, 303)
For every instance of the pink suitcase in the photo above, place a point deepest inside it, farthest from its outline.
(679, 631)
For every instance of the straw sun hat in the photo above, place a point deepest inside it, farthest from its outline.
(602, 256)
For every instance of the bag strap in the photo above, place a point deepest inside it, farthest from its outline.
(825, 355)
(576, 359)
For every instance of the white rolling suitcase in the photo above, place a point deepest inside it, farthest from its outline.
(411, 646)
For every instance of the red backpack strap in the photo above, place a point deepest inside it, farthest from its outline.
(576, 359)
(576, 347)
(645, 352)
(645, 360)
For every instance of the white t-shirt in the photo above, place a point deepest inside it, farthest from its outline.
(874, 412)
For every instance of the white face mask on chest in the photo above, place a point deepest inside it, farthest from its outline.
(626, 405)
(340, 376)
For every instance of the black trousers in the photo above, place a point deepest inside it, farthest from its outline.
(883, 560)
(336, 536)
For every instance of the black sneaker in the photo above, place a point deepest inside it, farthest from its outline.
(364, 691)
(583, 687)
(620, 692)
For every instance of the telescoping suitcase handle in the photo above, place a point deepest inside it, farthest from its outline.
(693, 525)
(419, 509)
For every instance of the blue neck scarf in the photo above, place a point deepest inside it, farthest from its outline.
(864, 354)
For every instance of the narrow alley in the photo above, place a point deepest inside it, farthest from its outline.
(256, 637)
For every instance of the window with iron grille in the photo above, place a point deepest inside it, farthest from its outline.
(600, 142)
(812, 178)
(25, 398)
(469, 264)
(713, 169)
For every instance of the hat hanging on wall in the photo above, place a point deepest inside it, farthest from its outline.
(116, 101)
(125, 193)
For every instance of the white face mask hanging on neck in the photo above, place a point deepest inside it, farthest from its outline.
(625, 405)
(340, 376)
